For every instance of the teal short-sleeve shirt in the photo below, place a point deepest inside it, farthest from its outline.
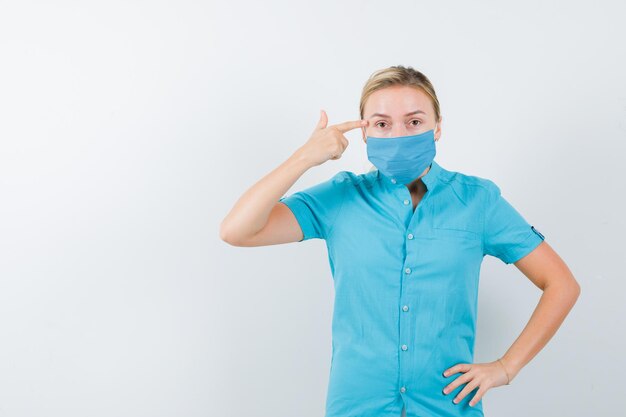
(406, 283)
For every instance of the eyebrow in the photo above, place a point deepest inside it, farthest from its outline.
(408, 114)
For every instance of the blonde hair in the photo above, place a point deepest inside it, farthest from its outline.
(399, 75)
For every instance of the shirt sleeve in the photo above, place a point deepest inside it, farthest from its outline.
(507, 235)
(316, 208)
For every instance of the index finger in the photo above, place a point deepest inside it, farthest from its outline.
(347, 126)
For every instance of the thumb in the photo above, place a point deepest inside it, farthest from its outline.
(323, 120)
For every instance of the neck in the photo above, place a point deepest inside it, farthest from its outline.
(417, 186)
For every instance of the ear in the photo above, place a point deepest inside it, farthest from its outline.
(364, 135)
(438, 129)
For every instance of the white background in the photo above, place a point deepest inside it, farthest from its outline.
(128, 130)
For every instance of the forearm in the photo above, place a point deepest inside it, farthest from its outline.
(552, 308)
(251, 211)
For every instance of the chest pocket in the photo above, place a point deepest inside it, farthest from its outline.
(456, 233)
(456, 220)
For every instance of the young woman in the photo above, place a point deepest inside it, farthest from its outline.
(405, 241)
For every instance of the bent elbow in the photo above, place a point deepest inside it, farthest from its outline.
(573, 291)
(226, 236)
(577, 290)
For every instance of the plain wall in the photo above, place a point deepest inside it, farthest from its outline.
(129, 129)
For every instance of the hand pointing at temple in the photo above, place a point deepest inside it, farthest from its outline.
(327, 142)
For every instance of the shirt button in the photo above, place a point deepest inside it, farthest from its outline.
(402, 389)
(393, 180)
(408, 270)
(406, 202)
(410, 235)
(405, 308)
(404, 347)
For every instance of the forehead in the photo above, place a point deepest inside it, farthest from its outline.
(397, 101)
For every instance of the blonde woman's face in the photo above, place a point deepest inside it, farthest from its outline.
(399, 111)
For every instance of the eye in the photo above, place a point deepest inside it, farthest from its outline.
(415, 120)
(379, 123)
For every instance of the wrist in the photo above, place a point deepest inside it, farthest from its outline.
(300, 160)
(506, 371)
(513, 366)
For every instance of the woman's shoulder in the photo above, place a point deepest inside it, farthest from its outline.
(353, 178)
(468, 186)
(469, 180)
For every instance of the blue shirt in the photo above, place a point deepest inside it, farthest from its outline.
(406, 284)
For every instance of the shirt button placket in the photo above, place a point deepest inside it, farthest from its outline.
(404, 319)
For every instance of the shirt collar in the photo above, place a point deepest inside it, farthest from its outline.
(431, 179)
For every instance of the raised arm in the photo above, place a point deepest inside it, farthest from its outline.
(258, 218)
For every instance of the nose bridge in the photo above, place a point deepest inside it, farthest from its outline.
(399, 129)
